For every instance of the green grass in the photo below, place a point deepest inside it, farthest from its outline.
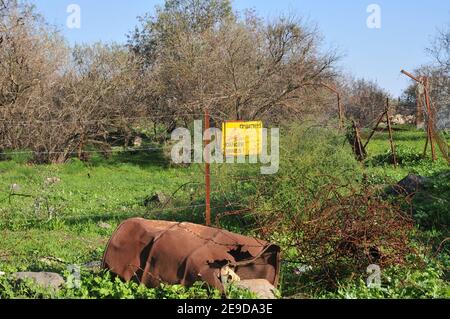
(431, 206)
(60, 220)
(408, 141)
(40, 221)
(84, 190)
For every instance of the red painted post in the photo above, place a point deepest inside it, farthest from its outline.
(207, 174)
(391, 135)
(430, 118)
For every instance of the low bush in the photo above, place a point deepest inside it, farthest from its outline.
(104, 286)
(318, 209)
(398, 283)
(405, 156)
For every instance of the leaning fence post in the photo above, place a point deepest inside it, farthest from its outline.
(207, 174)
(391, 137)
(430, 118)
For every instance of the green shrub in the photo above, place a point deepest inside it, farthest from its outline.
(405, 156)
(398, 283)
(310, 158)
(19, 156)
(431, 206)
(319, 211)
(104, 286)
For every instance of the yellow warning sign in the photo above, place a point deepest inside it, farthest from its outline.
(241, 138)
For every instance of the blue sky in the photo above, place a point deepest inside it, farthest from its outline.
(406, 29)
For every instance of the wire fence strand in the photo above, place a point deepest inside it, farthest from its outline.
(224, 181)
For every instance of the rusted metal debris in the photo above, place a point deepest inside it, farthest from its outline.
(207, 174)
(155, 252)
(340, 225)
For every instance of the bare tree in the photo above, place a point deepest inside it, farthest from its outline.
(32, 54)
(58, 101)
(55, 103)
(367, 100)
(272, 67)
(440, 49)
(239, 67)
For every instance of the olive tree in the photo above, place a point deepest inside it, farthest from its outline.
(240, 67)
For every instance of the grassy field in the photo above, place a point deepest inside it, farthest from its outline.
(410, 144)
(51, 215)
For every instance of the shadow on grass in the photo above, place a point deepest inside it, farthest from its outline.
(193, 212)
(142, 158)
(431, 205)
(384, 136)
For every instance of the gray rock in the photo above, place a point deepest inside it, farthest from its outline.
(261, 287)
(410, 185)
(52, 180)
(137, 141)
(158, 198)
(104, 225)
(93, 265)
(15, 187)
(45, 279)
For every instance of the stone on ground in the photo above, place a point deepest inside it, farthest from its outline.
(261, 287)
(411, 184)
(93, 265)
(104, 225)
(158, 198)
(44, 279)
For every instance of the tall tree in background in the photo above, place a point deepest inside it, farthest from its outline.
(367, 100)
(439, 79)
(440, 49)
(242, 67)
(32, 56)
(56, 101)
(187, 16)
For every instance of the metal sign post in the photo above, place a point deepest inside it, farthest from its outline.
(430, 118)
(207, 174)
(391, 134)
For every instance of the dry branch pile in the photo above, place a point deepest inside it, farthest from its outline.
(336, 232)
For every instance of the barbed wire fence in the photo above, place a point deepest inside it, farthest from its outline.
(234, 193)
(228, 181)
(40, 201)
(41, 195)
